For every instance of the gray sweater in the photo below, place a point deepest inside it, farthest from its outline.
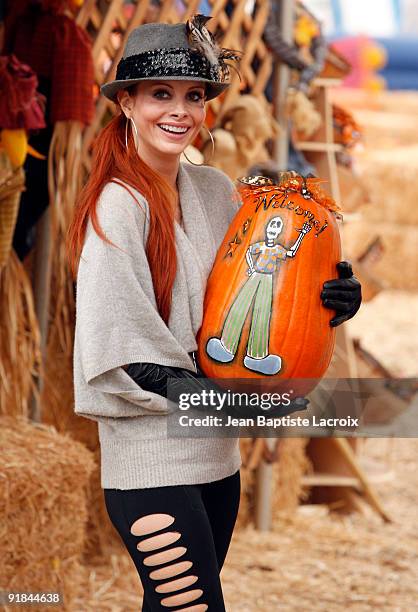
(117, 322)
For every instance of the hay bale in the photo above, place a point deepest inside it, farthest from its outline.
(20, 341)
(101, 536)
(43, 477)
(57, 400)
(404, 102)
(247, 499)
(292, 464)
(388, 169)
(397, 268)
(353, 191)
(386, 327)
(398, 101)
(389, 177)
(387, 129)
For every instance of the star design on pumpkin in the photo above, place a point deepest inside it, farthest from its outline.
(246, 225)
(233, 244)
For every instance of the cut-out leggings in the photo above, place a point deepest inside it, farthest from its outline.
(178, 537)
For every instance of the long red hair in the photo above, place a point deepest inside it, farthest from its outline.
(113, 161)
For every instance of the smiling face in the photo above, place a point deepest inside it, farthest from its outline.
(168, 116)
(274, 227)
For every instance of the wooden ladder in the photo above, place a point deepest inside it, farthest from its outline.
(338, 474)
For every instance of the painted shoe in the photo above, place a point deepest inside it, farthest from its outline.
(271, 364)
(217, 351)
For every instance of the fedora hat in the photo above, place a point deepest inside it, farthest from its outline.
(181, 51)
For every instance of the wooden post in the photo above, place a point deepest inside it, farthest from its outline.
(281, 85)
(321, 150)
(41, 293)
(281, 82)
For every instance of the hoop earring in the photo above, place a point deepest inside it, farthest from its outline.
(212, 153)
(134, 131)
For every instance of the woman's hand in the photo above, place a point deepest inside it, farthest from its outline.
(296, 405)
(248, 410)
(342, 294)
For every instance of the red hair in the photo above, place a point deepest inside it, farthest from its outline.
(112, 161)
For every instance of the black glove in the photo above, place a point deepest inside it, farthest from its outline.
(165, 379)
(154, 377)
(342, 294)
(299, 403)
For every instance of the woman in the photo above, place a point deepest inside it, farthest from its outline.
(148, 228)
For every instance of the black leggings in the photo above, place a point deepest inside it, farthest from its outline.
(183, 534)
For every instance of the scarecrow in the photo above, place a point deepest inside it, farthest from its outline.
(44, 35)
(305, 55)
(21, 111)
(241, 136)
(259, 285)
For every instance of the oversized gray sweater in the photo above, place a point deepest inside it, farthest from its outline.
(117, 322)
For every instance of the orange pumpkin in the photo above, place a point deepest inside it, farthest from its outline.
(263, 316)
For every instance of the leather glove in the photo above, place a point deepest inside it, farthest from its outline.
(299, 403)
(156, 378)
(296, 404)
(342, 294)
(165, 379)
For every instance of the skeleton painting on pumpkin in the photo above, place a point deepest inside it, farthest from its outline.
(167, 115)
(258, 289)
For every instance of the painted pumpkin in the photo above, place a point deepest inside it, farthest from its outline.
(263, 316)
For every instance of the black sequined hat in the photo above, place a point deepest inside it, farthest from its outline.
(181, 51)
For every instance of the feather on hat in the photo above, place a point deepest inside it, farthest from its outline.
(202, 40)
